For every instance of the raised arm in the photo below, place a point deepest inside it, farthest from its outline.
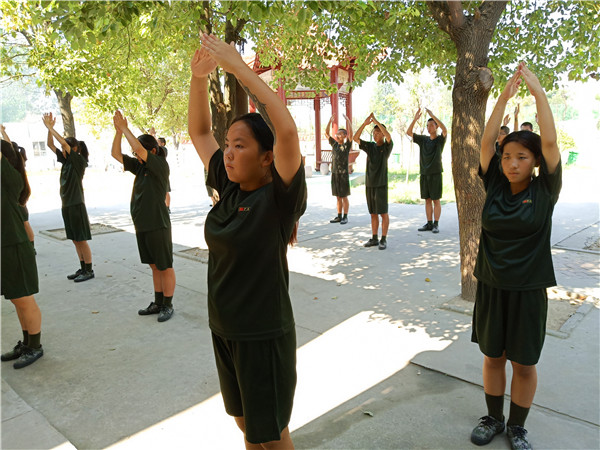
(545, 118)
(490, 133)
(4, 135)
(121, 125)
(506, 120)
(439, 122)
(50, 121)
(367, 121)
(348, 126)
(409, 131)
(328, 128)
(386, 133)
(286, 147)
(116, 151)
(516, 123)
(199, 116)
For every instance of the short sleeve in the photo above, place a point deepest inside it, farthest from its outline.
(348, 146)
(418, 139)
(60, 157)
(389, 147)
(217, 175)
(331, 141)
(77, 160)
(493, 173)
(551, 182)
(291, 199)
(363, 145)
(131, 164)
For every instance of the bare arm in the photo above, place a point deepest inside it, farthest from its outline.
(199, 116)
(409, 132)
(328, 128)
(116, 151)
(367, 121)
(121, 125)
(286, 147)
(506, 120)
(490, 133)
(49, 122)
(348, 126)
(439, 122)
(4, 135)
(550, 148)
(386, 133)
(516, 124)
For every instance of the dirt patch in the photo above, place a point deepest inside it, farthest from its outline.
(95, 228)
(195, 253)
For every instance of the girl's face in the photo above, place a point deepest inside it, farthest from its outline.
(518, 163)
(244, 162)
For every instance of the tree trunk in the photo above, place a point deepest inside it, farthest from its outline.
(64, 103)
(472, 83)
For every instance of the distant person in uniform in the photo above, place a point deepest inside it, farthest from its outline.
(340, 178)
(430, 163)
(514, 262)
(525, 126)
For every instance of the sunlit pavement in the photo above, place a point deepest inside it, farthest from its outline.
(380, 363)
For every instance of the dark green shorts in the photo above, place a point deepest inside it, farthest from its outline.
(258, 381)
(511, 321)
(340, 184)
(19, 271)
(431, 186)
(24, 213)
(77, 224)
(156, 247)
(377, 199)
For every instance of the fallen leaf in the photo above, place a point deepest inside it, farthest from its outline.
(427, 279)
(368, 413)
(315, 298)
(333, 298)
(95, 312)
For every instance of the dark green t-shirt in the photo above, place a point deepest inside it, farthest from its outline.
(514, 247)
(339, 156)
(148, 209)
(430, 153)
(71, 177)
(13, 230)
(247, 233)
(377, 159)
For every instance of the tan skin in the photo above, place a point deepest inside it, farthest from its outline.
(518, 165)
(84, 253)
(244, 162)
(340, 137)
(28, 311)
(163, 280)
(433, 208)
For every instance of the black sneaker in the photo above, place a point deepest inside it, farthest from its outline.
(336, 219)
(435, 229)
(74, 275)
(371, 242)
(152, 308)
(517, 436)
(344, 221)
(427, 227)
(382, 245)
(14, 353)
(84, 276)
(29, 356)
(165, 313)
(486, 430)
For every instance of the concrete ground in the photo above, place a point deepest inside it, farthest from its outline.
(384, 360)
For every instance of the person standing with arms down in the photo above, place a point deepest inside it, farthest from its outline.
(260, 179)
(514, 263)
(430, 162)
(340, 178)
(74, 160)
(149, 213)
(19, 270)
(376, 182)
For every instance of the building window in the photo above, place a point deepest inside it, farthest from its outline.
(39, 148)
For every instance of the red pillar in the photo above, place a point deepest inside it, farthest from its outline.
(335, 98)
(317, 132)
(349, 99)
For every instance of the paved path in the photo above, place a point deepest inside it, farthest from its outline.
(380, 363)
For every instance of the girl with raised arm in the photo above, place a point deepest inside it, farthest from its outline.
(514, 263)
(260, 179)
(149, 212)
(19, 270)
(74, 160)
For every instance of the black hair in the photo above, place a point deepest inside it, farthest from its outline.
(261, 131)
(162, 139)
(527, 124)
(376, 127)
(528, 139)
(15, 160)
(342, 130)
(19, 150)
(505, 129)
(80, 145)
(149, 143)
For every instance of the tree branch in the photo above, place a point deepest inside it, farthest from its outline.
(441, 14)
(457, 18)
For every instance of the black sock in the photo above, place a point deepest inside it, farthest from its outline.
(168, 301)
(34, 340)
(158, 298)
(25, 337)
(435, 222)
(383, 238)
(429, 222)
(88, 267)
(374, 237)
(495, 406)
(339, 215)
(82, 264)
(518, 414)
(345, 216)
